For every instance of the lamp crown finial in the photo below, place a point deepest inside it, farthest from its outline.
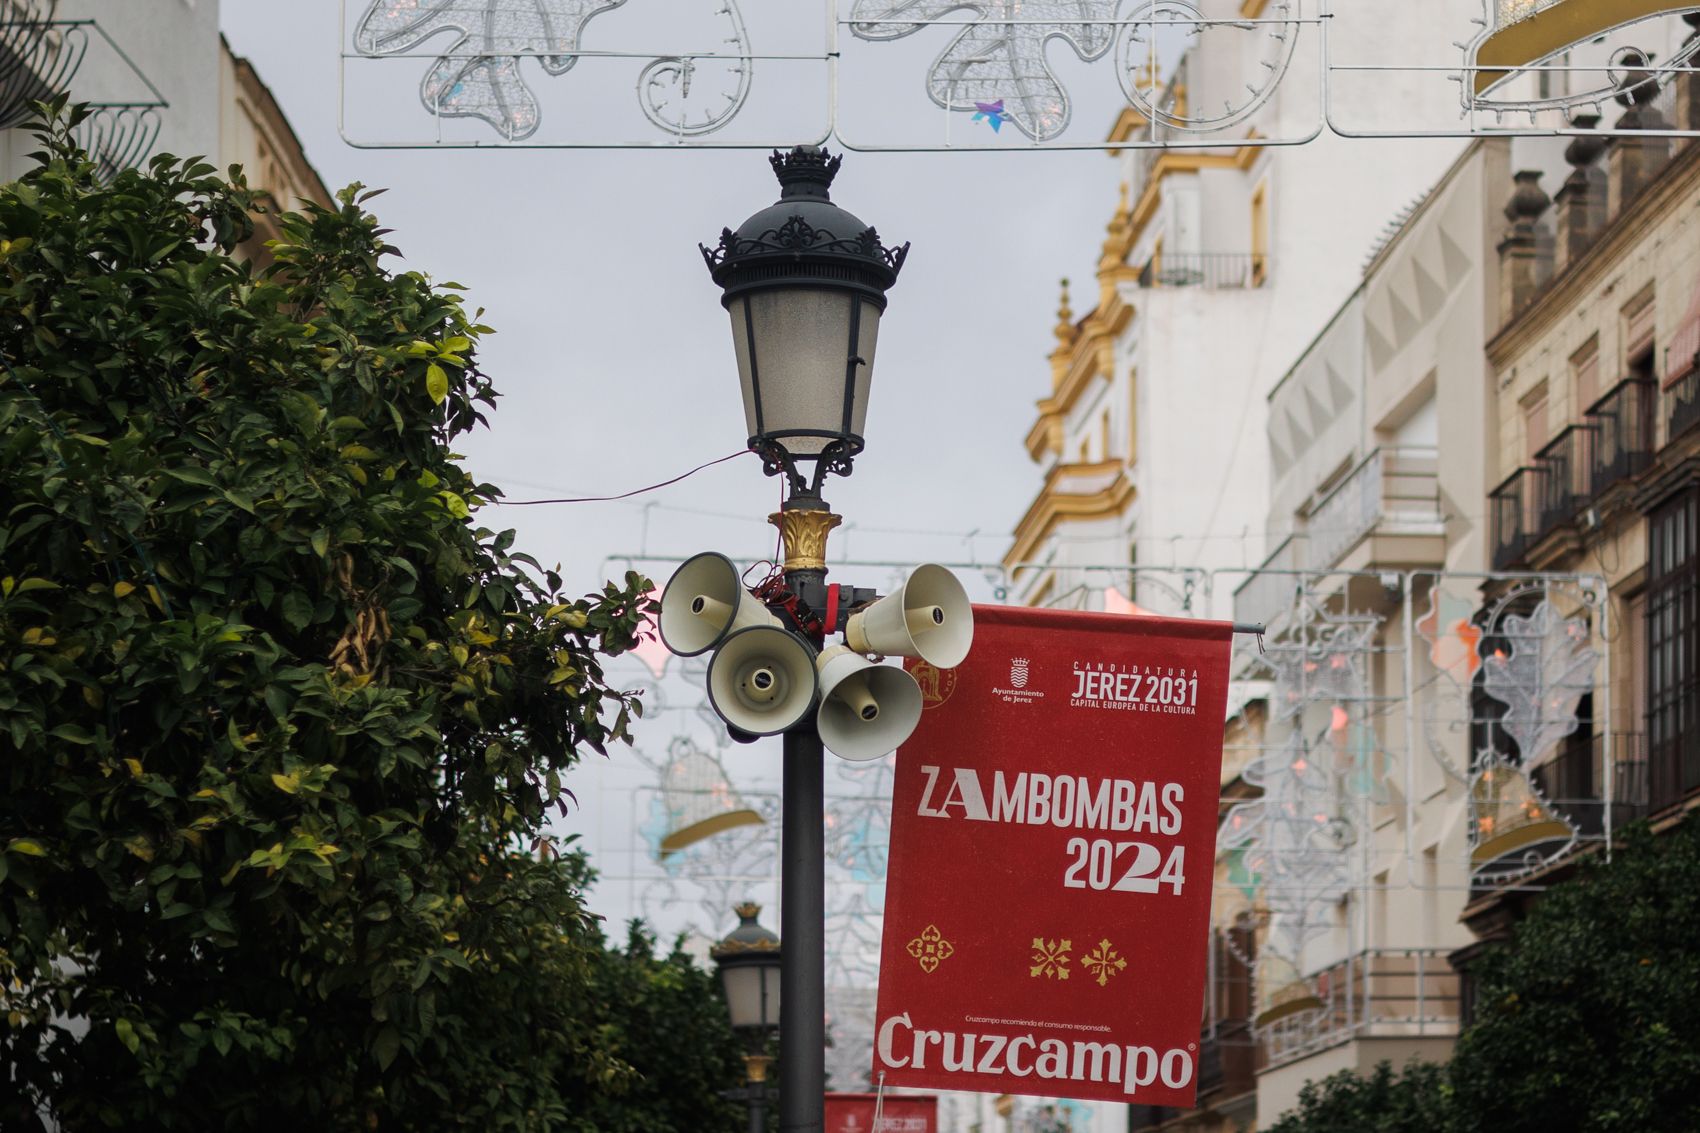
(807, 171)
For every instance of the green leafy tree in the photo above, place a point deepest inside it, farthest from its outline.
(1415, 1101)
(1587, 1020)
(663, 1016)
(280, 722)
(1590, 1019)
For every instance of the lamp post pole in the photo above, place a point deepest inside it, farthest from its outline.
(802, 918)
(804, 284)
(803, 523)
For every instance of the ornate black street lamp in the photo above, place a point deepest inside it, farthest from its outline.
(804, 282)
(749, 963)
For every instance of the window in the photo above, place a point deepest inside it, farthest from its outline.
(1638, 332)
(1259, 233)
(1585, 375)
(1534, 406)
(1673, 692)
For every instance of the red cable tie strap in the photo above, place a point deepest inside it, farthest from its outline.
(831, 609)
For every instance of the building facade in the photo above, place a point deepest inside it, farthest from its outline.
(1596, 391)
(1473, 497)
(1210, 280)
(1482, 495)
(159, 78)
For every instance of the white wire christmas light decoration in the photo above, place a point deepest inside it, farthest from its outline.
(478, 74)
(998, 59)
(1295, 837)
(1588, 52)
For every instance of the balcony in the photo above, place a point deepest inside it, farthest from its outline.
(1684, 404)
(1381, 993)
(1564, 482)
(1270, 590)
(1205, 269)
(1513, 508)
(1393, 491)
(1573, 781)
(1622, 439)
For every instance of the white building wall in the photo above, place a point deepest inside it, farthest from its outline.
(174, 43)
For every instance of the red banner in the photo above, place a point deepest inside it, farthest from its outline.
(1052, 836)
(904, 1113)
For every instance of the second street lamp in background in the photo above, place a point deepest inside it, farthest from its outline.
(749, 963)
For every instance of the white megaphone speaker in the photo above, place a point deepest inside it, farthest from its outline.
(927, 617)
(704, 603)
(761, 680)
(865, 709)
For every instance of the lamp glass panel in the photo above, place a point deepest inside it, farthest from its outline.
(743, 994)
(741, 346)
(802, 343)
(867, 338)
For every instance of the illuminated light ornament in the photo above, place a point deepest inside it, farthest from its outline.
(1541, 676)
(477, 74)
(1000, 57)
(1588, 35)
(992, 113)
(1281, 991)
(1115, 602)
(1161, 31)
(676, 94)
(1328, 664)
(1453, 639)
(1513, 831)
(699, 798)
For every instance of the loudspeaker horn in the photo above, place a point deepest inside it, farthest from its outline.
(704, 603)
(866, 710)
(762, 680)
(927, 617)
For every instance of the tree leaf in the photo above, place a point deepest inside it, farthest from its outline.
(386, 1046)
(297, 610)
(26, 847)
(436, 383)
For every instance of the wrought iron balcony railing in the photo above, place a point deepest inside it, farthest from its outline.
(1574, 780)
(1622, 439)
(1404, 992)
(1395, 488)
(1513, 512)
(1564, 482)
(1205, 269)
(1270, 589)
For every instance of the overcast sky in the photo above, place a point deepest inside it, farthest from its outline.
(614, 356)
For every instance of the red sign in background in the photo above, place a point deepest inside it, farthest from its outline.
(902, 1113)
(1052, 840)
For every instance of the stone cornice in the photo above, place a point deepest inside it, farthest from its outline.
(1055, 504)
(1605, 255)
(1091, 352)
